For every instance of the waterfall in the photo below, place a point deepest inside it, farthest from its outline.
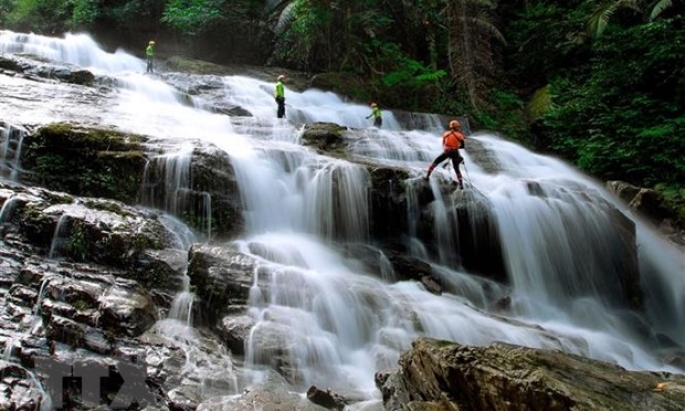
(205, 365)
(166, 181)
(7, 209)
(57, 239)
(41, 292)
(74, 48)
(11, 141)
(565, 243)
(167, 185)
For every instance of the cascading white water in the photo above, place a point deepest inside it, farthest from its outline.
(336, 326)
(167, 186)
(57, 236)
(11, 141)
(301, 108)
(7, 209)
(77, 49)
(206, 366)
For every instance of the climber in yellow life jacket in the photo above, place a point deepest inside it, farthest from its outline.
(452, 141)
(150, 53)
(376, 113)
(279, 95)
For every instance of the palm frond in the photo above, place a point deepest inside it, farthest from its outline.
(600, 18)
(470, 28)
(274, 6)
(483, 24)
(659, 7)
(285, 18)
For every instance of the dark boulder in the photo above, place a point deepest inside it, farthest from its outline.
(222, 279)
(325, 137)
(442, 375)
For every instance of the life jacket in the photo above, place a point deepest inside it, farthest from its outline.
(452, 140)
(280, 90)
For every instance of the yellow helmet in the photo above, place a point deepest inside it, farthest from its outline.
(151, 42)
(454, 124)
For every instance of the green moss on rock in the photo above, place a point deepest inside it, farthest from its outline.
(326, 138)
(85, 161)
(191, 66)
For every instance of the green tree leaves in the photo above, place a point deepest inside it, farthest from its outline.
(192, 17)
(626, 121)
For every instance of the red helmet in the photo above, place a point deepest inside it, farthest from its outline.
(454, 124)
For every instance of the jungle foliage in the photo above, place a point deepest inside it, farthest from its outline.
(598, 82)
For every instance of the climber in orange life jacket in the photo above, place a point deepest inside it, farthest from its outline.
(376, 113)
(452, 141)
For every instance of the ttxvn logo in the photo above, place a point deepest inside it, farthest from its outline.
(121, 385)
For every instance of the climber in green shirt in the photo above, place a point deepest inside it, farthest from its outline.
(150, 53)
(376, 113)
(279, 94)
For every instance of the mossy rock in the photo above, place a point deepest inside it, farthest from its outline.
(326, 138)
(84, 161)
(186, 65)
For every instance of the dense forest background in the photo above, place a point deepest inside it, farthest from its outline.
(600, 83)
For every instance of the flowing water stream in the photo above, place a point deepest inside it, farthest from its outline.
(338, 325)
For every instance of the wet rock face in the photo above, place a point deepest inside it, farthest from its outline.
(327, 399)
(222, 278)
(388, 198)
(44, 70)
(444, 375)
(126, 167)
(105, 232)
(478, 237)
(475, 235)
(392, 262)
(235, 331)
(482, 156)
(17, 390)
(57, 309)
(646, 202)
(273, 394)
(73, 307)
(11, 64)
(213, 175)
